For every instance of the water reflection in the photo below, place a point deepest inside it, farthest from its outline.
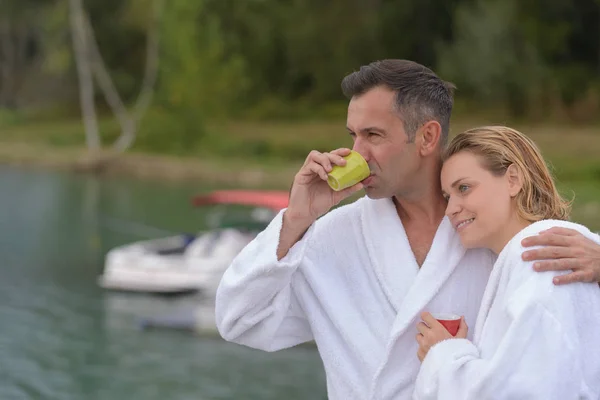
(62, 337)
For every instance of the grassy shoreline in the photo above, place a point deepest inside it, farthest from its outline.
(146, 166)
(228, 159)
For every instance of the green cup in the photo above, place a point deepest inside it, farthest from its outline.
(355, 170)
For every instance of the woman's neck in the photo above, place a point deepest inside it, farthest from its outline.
(508, 232)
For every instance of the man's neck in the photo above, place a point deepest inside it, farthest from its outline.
(426, 206)
(421, 217)
(421, 220)
(429, 211)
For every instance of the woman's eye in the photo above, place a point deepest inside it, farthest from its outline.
(463, 188)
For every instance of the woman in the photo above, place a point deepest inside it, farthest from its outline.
(532, 339)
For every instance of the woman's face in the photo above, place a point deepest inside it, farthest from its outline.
(480, 205)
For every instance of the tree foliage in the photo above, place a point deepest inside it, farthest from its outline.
(228, 58)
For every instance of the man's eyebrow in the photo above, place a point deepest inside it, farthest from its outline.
(368, 129)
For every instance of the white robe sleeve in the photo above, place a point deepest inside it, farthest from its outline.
(256, 304)
(535, 360)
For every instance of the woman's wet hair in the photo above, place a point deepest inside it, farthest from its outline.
(499, 147)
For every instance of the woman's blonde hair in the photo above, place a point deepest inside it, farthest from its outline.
(498, 147)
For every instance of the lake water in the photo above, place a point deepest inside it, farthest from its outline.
(62, 337)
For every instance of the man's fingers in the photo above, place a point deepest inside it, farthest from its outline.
(323, 159)
(556, 265)
(556, 236)
(311, 157)
(319, 158)
(560, 231)
(547, 239)
(577, 276)
(350, 191)
(564, 249)
(341, 151)
(548, 253)
(318, 170)
(335, 159)
(327, 160)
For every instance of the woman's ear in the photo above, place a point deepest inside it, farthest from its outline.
(430, 135)
(515, 180)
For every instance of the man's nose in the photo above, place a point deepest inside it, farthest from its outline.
(361, 148)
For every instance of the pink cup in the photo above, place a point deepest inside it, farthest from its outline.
(450, 321)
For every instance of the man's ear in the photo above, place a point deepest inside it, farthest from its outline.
(514, 178)
(429, 136)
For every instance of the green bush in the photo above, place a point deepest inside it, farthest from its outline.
(174, 132)
(10, 117)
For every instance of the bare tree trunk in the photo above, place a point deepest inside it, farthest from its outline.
(152, 58)
(86, 84)
(150, 74)
(127, 121)
(105, 81)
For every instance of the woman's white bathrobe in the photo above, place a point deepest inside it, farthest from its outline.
(532, 339)
(353, 286)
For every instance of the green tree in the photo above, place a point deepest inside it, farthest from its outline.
(198, 78)
(491, 59)
(20, 52)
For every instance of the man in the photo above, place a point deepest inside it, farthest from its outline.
(356, 280)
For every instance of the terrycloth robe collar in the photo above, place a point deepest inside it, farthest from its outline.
(408, 288)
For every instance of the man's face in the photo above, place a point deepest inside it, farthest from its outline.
(379, 136)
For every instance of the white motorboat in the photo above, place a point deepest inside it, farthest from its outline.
(186, 263)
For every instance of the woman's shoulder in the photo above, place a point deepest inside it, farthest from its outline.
(543, 225)
(513, 249)
(521, 273)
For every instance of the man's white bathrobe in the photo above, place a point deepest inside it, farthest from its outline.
(353, 286)
(532, 339)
